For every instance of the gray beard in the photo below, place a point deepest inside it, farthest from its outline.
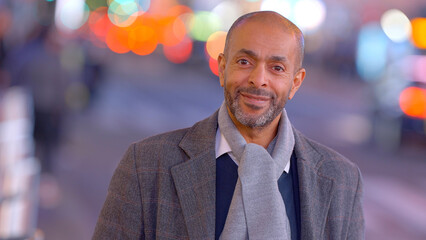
(275, 108)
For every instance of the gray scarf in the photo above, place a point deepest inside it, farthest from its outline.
(257, 209)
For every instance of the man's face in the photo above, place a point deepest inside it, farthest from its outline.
(259, 72)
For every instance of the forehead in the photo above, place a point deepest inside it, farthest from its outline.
(264, 37)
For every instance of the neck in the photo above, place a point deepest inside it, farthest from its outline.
(261, 135)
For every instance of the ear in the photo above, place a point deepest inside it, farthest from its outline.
(297, 82)
(222, 64)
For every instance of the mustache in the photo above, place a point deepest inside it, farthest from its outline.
(256, 91)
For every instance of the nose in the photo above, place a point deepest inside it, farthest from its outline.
(258, 76)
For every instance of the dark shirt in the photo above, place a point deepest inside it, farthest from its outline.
(226, 179)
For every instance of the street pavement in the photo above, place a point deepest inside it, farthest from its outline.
(146, 96)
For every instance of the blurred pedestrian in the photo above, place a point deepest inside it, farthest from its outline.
(245, 172)
(36, 66)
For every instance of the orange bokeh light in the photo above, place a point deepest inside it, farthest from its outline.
(171, 30)
(179, 53)
(143, 40)
(117, 40)
(214, 66)
(412, 101)
(178, 10)
(215, 44)
(419, 32)
(143, 35)
(146, 32)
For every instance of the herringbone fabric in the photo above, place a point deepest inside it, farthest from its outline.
(164, 188)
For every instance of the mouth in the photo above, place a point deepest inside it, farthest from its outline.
(255, 100)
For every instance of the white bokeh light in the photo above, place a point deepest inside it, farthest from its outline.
(123, 13)
(396, 25)
(309, 14)
(228, 12)
(70, 15)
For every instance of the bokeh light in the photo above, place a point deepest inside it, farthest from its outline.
(419, 68)
(143, 39)
(178, 10)
(214, 66)
(171, 30)
(203, 24)
(413, 102)
(215, 44)
(396, 25)
(228, 12)
(160, 7)
(419, 32)
(123, 12)
(117, 40)
(144, 5)
(5, 21)
(179, 53)
(283, 7)
(309, 14)
(371, 52)
(99, 23)
(184, 13)
(71, 14)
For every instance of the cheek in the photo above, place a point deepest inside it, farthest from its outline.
(237, 79)
(283, 89)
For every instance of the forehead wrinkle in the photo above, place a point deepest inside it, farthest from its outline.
(251, 53)
(247, 52)
(276, 19)
(278, 59)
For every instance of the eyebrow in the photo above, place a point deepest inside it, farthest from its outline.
(254, 55)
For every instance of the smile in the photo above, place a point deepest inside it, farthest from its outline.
(252, 99)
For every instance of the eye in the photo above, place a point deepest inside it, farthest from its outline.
(243, 62)
(278, 68)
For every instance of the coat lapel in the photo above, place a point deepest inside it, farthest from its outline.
(195, 179)
(315, 191)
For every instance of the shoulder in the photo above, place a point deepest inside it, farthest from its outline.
(164, 139)
(324, 160)
(171, 148)
(161, 150)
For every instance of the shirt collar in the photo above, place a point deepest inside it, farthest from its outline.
(223, 147)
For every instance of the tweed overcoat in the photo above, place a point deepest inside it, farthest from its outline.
(164, 188)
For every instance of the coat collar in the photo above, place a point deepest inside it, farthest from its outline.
(195, 181)
(315, 190)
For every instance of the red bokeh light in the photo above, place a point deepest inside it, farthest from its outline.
(99, 23)
(179, 53)
(214, 66)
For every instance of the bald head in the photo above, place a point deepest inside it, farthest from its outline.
(270, 17)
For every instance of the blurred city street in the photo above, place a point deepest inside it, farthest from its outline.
(80, 80)
(133, 105)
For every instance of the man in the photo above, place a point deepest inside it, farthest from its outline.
(244, 172)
